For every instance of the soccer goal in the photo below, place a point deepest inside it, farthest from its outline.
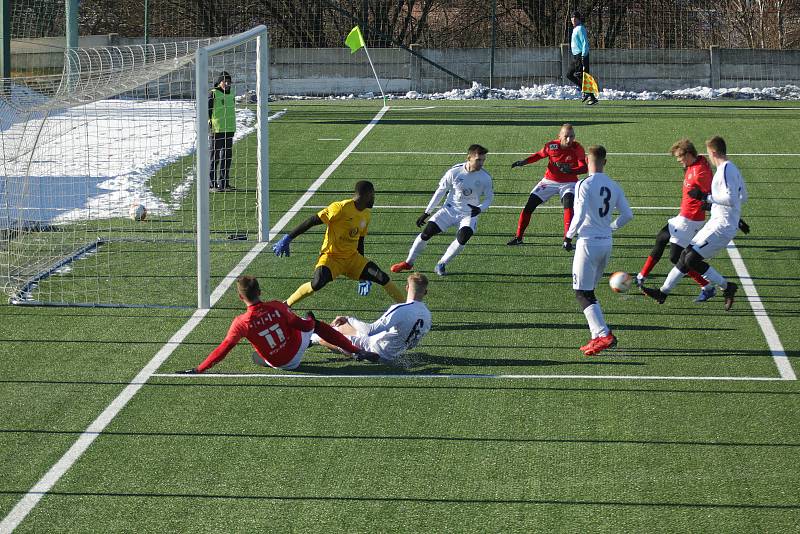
(124, 182)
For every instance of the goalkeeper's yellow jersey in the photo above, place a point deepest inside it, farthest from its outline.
(346, 225)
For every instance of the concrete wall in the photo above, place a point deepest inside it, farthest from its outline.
(338, 72)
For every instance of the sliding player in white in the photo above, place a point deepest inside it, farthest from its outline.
(464, 184)
(597, 197)
(400, 328)
(728, 194)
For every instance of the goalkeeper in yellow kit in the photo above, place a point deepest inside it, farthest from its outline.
(342, 250)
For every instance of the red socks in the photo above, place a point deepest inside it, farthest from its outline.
(568, 213)
(698, 278)
(333, 336)
(522, 224)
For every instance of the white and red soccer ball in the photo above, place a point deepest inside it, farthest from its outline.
(138, 212)
(620, 282)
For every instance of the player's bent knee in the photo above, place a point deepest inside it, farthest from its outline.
(321, 278)
(430, 230)
(693, 260)
(568, 201)
(533, 201)
(675, 251)
(585, 298)
(373, 273)
(463, 235)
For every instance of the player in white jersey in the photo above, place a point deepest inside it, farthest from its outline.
(465, 185)
(597, 197)
(400, 328)
(728, 194)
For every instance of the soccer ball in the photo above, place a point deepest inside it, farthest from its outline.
(138, 212)
(620, 282)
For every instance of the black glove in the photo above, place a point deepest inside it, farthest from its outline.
(567, 245)
(519, 163)
(744, 227)
(421, 219)
(475, 210)
(566, 168)
(192, 371)
(705, 206)
(697, 194)
(310, 315)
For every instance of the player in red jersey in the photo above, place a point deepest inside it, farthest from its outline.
(279, 336)
(566, 160)
(680, 229)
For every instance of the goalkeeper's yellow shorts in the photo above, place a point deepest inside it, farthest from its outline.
(351, 266)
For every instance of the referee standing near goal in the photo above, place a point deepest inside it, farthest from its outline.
(222, 126)
(579, 43)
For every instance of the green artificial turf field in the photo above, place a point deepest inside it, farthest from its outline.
(496, 422)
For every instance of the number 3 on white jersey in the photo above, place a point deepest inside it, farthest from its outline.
(267, 334)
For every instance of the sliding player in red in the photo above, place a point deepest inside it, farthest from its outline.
(279, 336)
(566, 160)
(680, 229)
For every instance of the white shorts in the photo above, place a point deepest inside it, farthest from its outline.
(589, 262)
(711, 239)
(294, 363)
(449, 216)
(547, 188)
(682, 230)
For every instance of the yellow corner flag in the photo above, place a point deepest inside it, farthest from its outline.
(354, 40)
(589, 85)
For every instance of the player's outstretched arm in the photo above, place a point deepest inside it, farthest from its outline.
(282, 247)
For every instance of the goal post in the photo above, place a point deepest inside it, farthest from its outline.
(202, 65)
(106, 171)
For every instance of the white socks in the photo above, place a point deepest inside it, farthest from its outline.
(597, 323)
(451, 252)
(416, 249)
(672, 280)
(715, 278)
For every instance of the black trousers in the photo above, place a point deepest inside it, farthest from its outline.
(221, 145)
(576, 70)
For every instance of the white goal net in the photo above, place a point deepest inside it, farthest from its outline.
(102, 200)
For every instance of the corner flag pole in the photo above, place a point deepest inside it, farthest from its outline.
(355, 41)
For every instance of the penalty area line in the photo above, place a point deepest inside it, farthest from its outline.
(29, 501)
(471, 377)
(767, 328)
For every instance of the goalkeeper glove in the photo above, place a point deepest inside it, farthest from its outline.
(567, 245)
(475, 210)
(363, 287)
(744, 227)
(192, 371)
(697, 194)
(519, 163)
(566, 168)
(281, 248)
(421, 220)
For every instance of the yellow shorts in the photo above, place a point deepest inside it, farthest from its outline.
(351, 266)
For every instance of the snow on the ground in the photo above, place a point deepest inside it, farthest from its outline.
(563, 92)
(95, 161)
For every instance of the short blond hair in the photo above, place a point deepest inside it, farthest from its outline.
(598, 152)
(418, 282)
(683, 146)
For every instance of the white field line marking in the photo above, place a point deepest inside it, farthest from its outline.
(277, 115)
(473, 376)
(461, 153)
(329, 139)
(540, 207)
(770, 334)
(46, 483)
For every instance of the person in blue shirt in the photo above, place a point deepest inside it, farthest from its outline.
(580, 55)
